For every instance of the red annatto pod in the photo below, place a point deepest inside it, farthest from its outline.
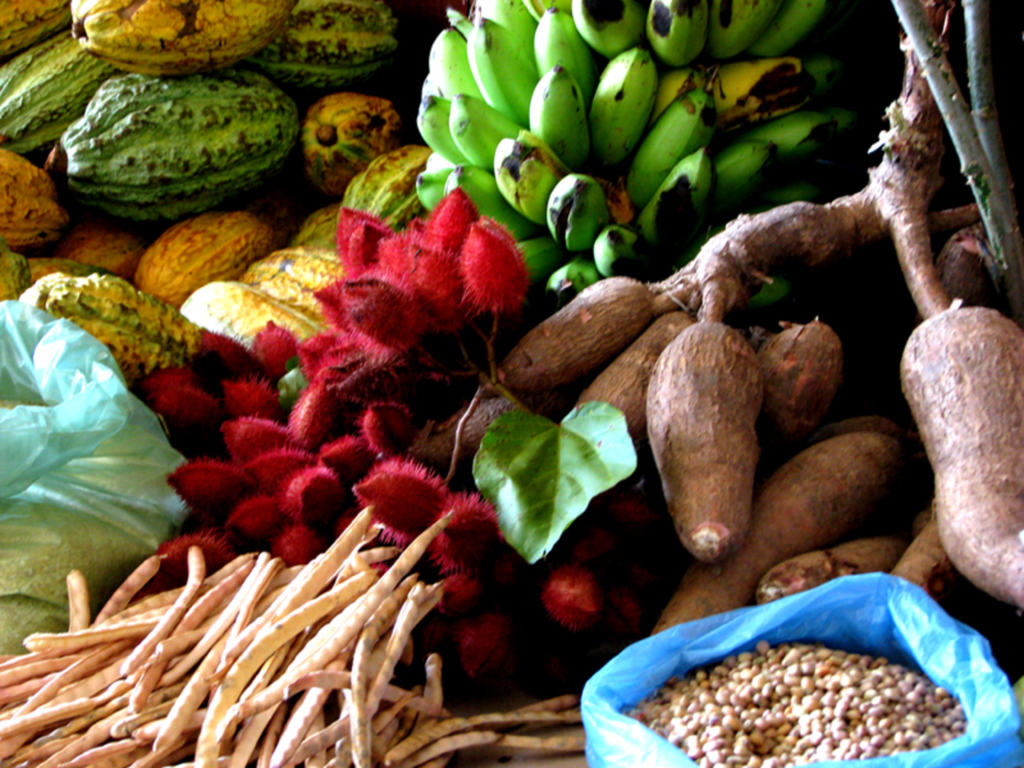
(331, 340)
(193, 416)
(223, 357)
(248, 436)
(357, 238)
(163, 379)
(256, 519)
(387, 428)
(320, 413)
(386, 318)
(273, 347)
(297, 544)
(470, 540)
(623, 611)
(510, 569)
(449, 221)
(314, 496)
(350, 456)
(463, 593)
(270, 469)
(485, 645)
(211, 486)
(596, 548)
(493, 269)
(406, 497)
(572, 597)
(173, 573)
(252, 395)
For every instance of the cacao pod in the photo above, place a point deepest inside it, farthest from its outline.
(294, 275)
(240, 311)
(95, 238)
(31, 215)
(15, 275)
(23, 23)
(319, 229)
(41, 266)
(387, 186)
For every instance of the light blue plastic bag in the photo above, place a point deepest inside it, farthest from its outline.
(83, 472)
(875, 613)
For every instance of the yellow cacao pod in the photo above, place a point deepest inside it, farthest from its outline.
(294, 275)
(24, 23)
(31, 216)
(15, 275)
(103, 241)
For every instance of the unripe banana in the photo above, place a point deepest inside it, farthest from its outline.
(686, 125)
(739, 175)
(558, 116)
(792, 191)
(538, 8)
(735, 24)
(476, 128)
(557, 42)
(610, 26)
(572, 277)
(430, 185)
(448, 65)
(680, 204)
(622, 105)
(433, 120)
(796, 136)
(834, 22)
(482, 188)
(824, 69)
(459, 20)
(504, 69)
(677, 30)
(619, 250)
(527, 171)
(542, 256)
(430, 88)
(513, 15)
(749, 91)
(846, 119)
(793, 23)
(673, 83)
(577, 211)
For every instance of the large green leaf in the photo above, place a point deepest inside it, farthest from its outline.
(541, 476)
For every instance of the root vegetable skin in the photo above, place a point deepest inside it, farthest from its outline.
(821, 495)
(961, 373)
(926, 563)
(703, 400)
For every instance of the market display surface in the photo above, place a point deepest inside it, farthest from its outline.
(363, 346)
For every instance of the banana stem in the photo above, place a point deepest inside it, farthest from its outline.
(991, 189)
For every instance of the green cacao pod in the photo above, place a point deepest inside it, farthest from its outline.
(150, 148)
(176, 37)
(387, 186)
(15, 275)
(330, 44)
(44, 89)
(23, 23)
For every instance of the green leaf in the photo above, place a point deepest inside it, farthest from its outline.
(541, 476)
(290, 386)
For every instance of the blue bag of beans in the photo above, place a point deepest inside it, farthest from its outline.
(874, 614)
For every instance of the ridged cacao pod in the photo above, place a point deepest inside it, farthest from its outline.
(31, 216)
(294, 275)
(15, 276)
(241, 311)
(176, 37)
(151, 148)
(41, 266)
(142, 332)
(102, 241)
(319, 229)
(387, 186)
(44, 89)
(330, 44)
(23, 23)
(341, 134)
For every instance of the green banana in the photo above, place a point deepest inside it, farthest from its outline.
(611, 26)
(476, 128)
(796, 136)
(792, 191)
(430, 185)
(834, 22)
(432, 120)
(538, 8)
(739, 174)
(577, 211)
(688, 252)
(794, 22)
(618, 250)
(557, 42)
(677, 30)
(572, 277)
(735, 24)
(846, 119)
(430, 88)
(750, 90)
(824, 69)
(673, 83)
(459, 20)
(680, 203)
(448, 65)
(503, 67)
(514, 15)
(558, 116)
(542, 256)
(686, 125)
(527, 171)
(622, 105)
(482, 188)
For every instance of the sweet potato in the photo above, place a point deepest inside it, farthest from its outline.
(702, 405)
(803, 369)
(961, 373)
(574, 342)
(870, 554)
(623, 382)
(925, 562)
(818, 497)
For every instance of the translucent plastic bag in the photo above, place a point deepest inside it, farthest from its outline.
(83, 472)
(875, 613)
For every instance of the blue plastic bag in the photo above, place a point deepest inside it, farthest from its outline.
(83, 472)
(874, 613)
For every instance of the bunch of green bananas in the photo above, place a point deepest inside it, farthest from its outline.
(605, 134)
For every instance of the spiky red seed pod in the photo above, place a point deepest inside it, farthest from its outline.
(191, 414)
(509, 567)
(485, 645)
(313, 349)
(469, 541)
(436, 283)
(297, 544)
(572, 597)
(596, 547)
(273, 347)
(224, 357)
(406, 497)
(631, 511)
(387, 318)
(314, 496)
(462, 594)
(493, 269)
(449, 221)
(271, 468)
(320, 414)
(387, 428)
(249, 436)
(350, 456)
(163, 379)
(256, 519)
(252, 396)
(432, 635)
(173, 573)
(213, 486)
(623, 612)
(357, 238)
